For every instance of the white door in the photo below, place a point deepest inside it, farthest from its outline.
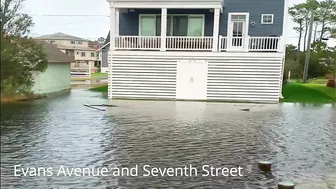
(237, 31)
(191, 80)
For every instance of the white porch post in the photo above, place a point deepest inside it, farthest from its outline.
(117, 23)
(112, 28)
(216, 30)
(163, 28)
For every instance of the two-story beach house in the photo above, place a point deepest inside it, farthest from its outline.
(226, 50)
(84, 52)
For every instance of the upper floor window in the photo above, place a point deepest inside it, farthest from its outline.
(267, 18)
(83, 53)
(177, 25)
(92, 54)
(76, 42)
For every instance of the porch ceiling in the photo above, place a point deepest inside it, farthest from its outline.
(170, 4)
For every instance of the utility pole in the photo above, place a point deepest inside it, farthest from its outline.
(305, 72)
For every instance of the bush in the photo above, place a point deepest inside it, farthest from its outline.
(331, 83)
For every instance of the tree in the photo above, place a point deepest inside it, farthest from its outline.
(101, 40)
(21, 57)
(326, 16)
(298, 17)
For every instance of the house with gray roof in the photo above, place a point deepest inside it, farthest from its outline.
(57, 75)
(86, 58)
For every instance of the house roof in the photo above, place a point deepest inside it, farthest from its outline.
(107, 41)
(60, 36)
(54, 55)
(76, 48)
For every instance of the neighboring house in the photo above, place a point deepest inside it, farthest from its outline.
(104, 50)
(226, 50)
(57, 75)
(86, 58)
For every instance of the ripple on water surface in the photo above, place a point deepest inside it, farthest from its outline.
(299, 139)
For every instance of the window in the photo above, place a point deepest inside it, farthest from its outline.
(238, 17)
(267, 18)
(148, 25)
(76, 42)
(177, 25)
(83, 54)
(92, 54)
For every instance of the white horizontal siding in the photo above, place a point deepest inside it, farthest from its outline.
(231, 76)
(148, 78)
(257, 80)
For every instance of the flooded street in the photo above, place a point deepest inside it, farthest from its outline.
(298, 139)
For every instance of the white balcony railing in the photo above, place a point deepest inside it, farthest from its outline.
(138, 42)
(268, 44)
(189, 43)
(184, 43)
(264, 43)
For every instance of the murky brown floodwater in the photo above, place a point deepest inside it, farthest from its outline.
(299, 139)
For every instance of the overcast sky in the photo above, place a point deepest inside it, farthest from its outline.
(86, 27)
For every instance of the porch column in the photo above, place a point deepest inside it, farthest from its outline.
(163, 28)
(117, 22)
(216, 30)
(112, 28)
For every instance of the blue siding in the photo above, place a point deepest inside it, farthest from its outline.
(256, 8)
(129, 22)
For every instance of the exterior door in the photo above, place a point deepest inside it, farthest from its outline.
(237, 31)
(237, 34)
(191, 80)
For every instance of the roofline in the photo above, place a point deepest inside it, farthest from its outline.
(104, 46)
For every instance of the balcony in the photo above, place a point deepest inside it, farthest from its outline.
(181, 43)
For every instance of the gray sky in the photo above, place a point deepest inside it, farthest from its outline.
(87, 27)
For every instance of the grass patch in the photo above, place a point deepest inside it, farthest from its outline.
(308, 93)
(102, 88)
(98, 74)
(292, 92)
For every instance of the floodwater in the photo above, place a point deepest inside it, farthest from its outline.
(60, 131)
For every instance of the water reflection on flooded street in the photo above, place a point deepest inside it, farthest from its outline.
(298, 139)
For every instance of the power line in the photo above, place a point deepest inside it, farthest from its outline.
(70, 15)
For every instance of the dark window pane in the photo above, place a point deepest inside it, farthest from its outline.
(158, 25)
(180, 25)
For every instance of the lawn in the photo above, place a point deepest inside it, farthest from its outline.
(292, 92)
(98, 74)
(102, 88)
(308, 93)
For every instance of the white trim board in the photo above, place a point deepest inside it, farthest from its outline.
(101, 48)
(197, 55)
(170, 4)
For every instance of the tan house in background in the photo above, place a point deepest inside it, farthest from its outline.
(86, 57)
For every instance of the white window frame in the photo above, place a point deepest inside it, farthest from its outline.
(247, 20)
(262, 18)
(172, 17)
